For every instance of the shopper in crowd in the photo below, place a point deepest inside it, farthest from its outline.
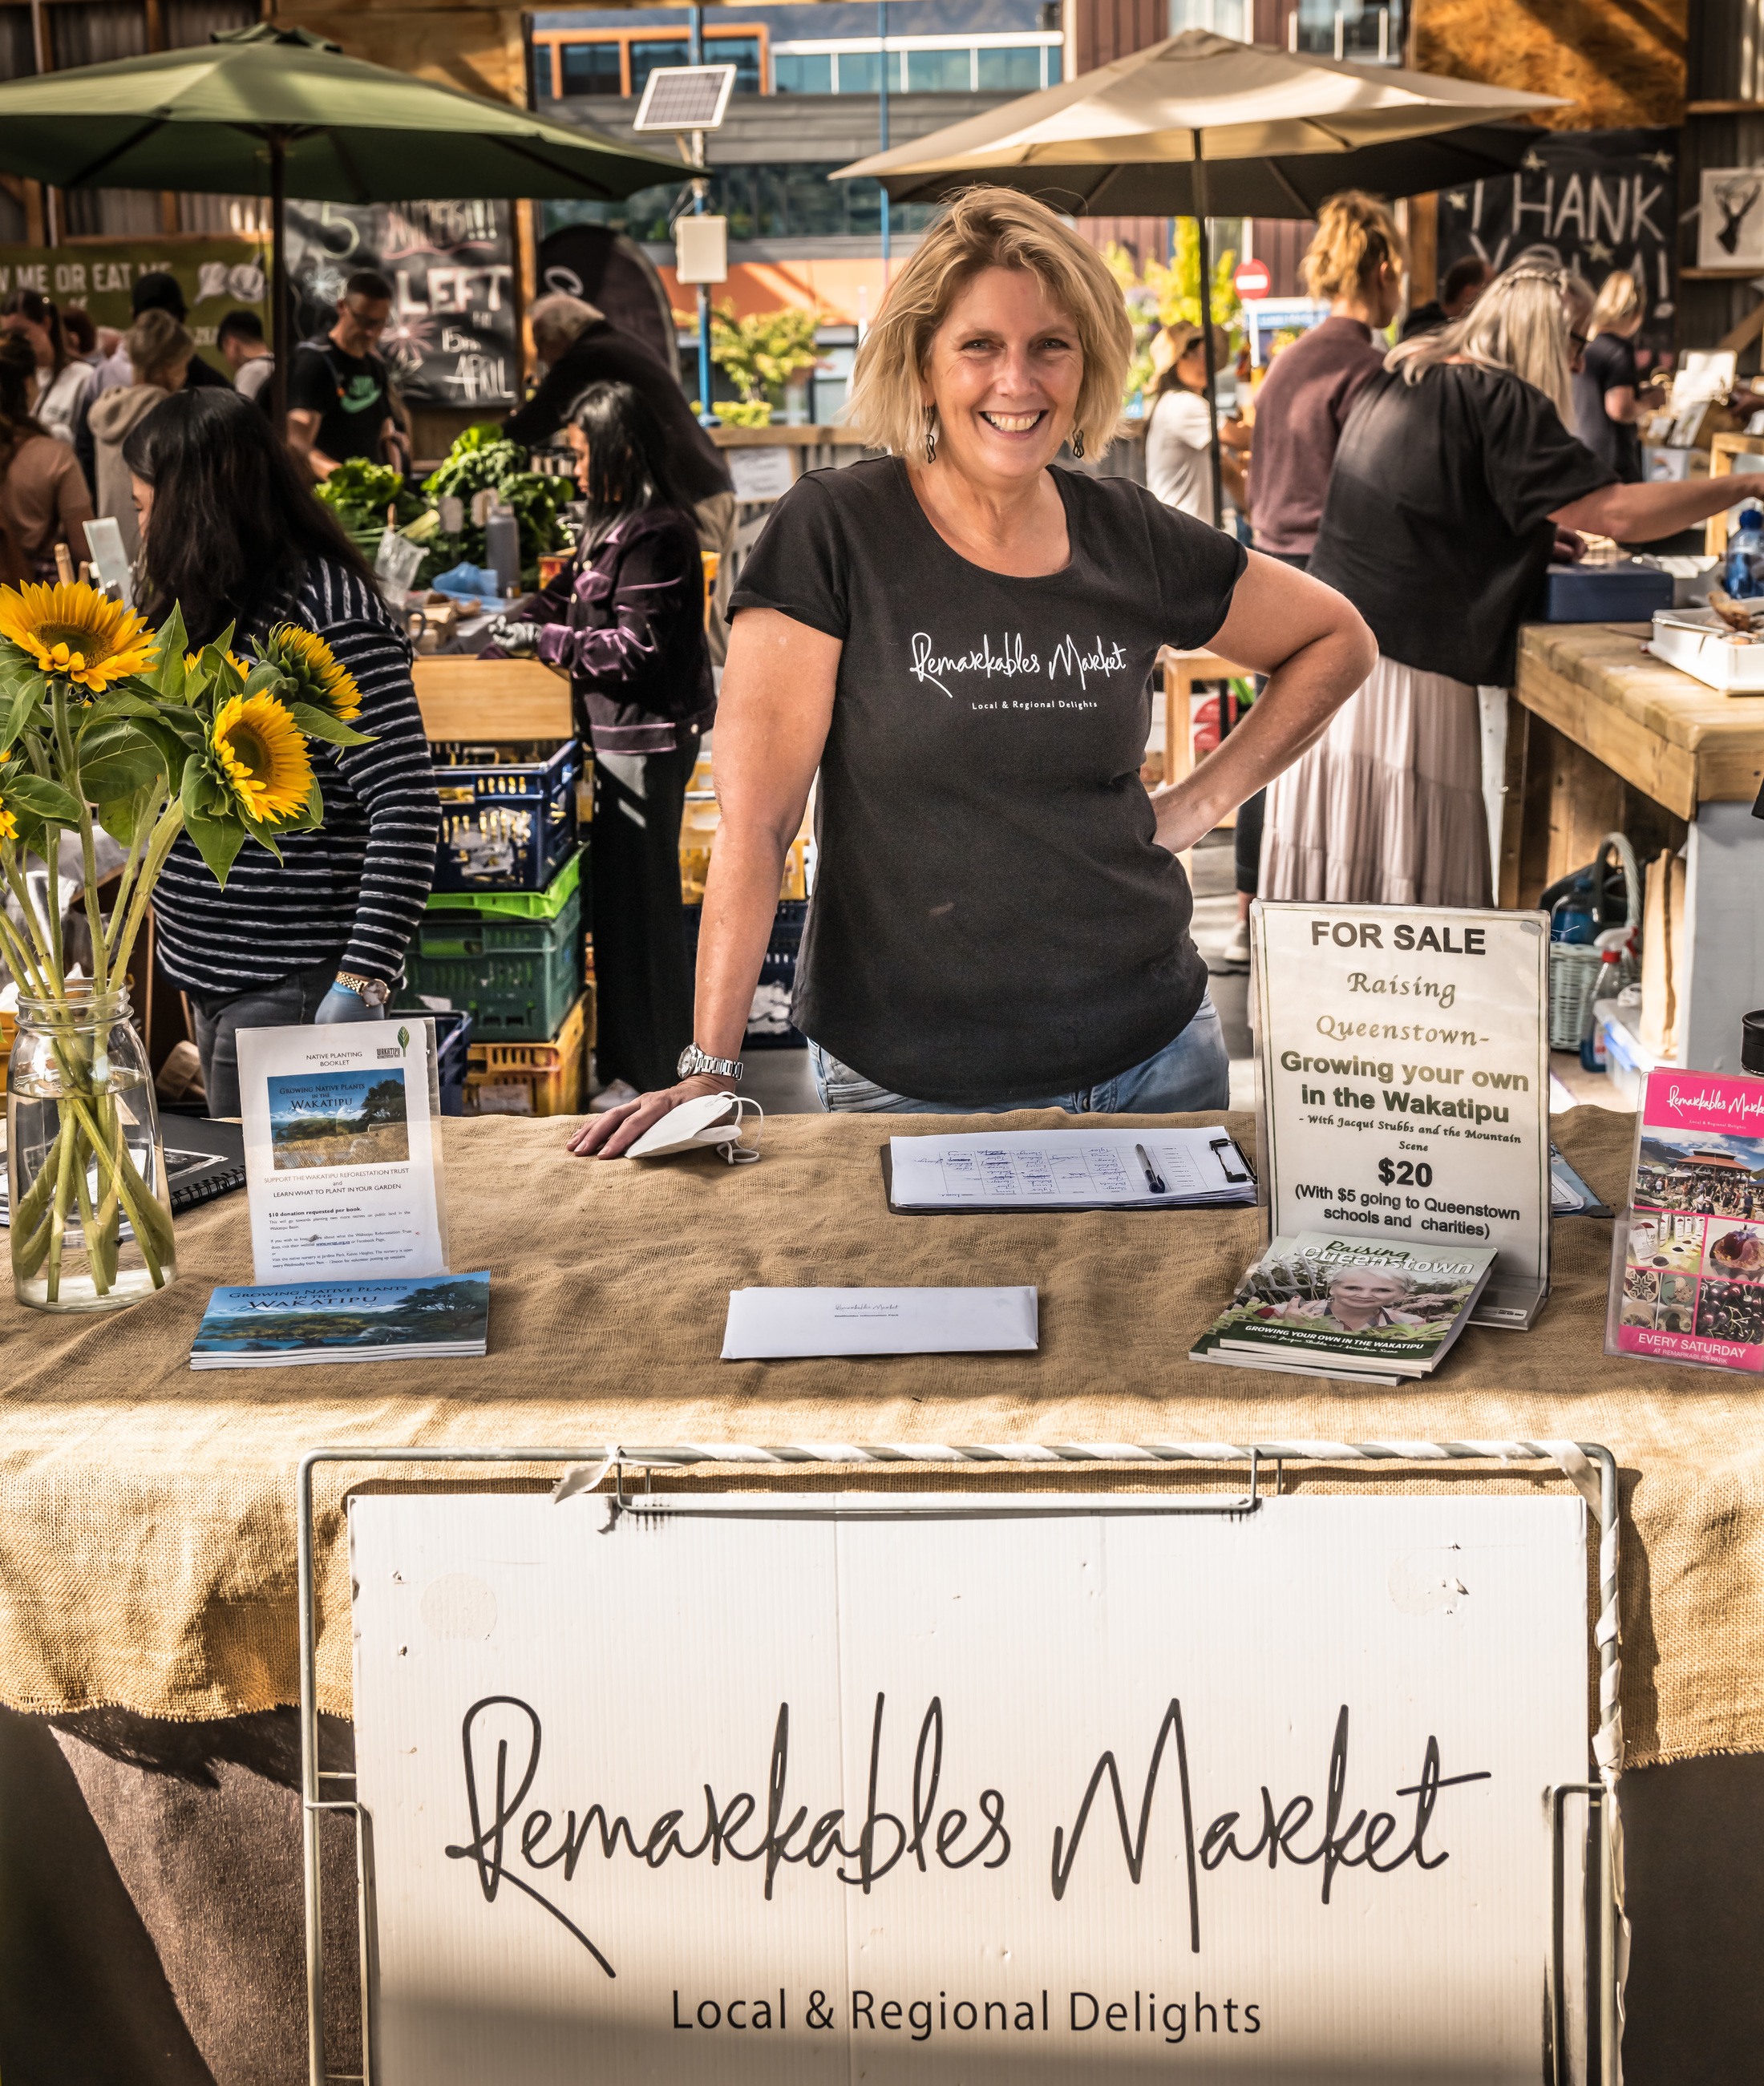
(62, 380)
(626, 622)
(1178, 433)
(339, 392)
(43, 497)
(578, 347)
(160, 352)
(1465, 281)
(81, 335)
(240, 338)
(232, 534)
(959, 639)
(1454, 473)
(1608, 386)
(1354, 263)
(156, 291)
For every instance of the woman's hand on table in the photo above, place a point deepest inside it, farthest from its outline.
(611, 1135)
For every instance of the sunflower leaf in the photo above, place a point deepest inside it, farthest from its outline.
(261, 834)
(320, 724)
(173, 641)
(117, 759)
(26, 697)
(119, 702)
(123, 820)
(179, 724)
(218, 841)
(45, 799)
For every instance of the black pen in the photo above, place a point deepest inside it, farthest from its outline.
(1153, 1179)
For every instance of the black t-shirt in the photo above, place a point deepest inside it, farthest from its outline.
(993, 918)
(1437, 526)
(1608, 364)
(600, 354)
(351, 393)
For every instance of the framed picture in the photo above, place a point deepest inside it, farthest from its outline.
(1730, 231)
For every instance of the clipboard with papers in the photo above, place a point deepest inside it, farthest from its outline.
(1067, 1169)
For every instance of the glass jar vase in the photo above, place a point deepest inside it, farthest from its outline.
(91, 1217)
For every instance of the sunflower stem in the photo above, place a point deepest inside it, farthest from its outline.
(171, 824)
(88, 852)
(64, 1181)
(143, 826)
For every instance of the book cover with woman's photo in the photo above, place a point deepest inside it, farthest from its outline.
(1687, 1263)
(1323, 1305)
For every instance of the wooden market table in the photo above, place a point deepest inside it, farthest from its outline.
(492, 699)
(1602, 737)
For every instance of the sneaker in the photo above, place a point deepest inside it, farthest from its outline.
(611, 1097)
(1237, 948)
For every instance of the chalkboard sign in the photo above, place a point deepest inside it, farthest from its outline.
(1590, 200)
(453, 340)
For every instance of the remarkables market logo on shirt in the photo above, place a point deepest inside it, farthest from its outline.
(1074, 663)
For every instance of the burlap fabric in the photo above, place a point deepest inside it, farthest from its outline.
(147, 1523)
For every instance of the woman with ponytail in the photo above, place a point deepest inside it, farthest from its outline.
(63, 379)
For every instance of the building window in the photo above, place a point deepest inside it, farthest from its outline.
(1225, 18)
(801, 72)
(939, 72)
(1012, 71)
(592, 69)
(860, 72)
(788, 202)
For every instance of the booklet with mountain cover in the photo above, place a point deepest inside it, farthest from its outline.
(401, 1318)
(1368, 1310)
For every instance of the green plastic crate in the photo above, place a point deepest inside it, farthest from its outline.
(519, 977)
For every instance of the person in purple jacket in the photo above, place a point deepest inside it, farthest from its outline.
(625, 620)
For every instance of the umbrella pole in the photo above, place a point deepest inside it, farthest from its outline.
(278, 318)
(1200, 201)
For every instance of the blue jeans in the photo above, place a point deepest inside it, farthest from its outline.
(1191, 1075)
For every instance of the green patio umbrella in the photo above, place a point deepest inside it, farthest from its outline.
(266, 110)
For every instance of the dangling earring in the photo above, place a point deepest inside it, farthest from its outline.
(930, 441)
(1077, 441)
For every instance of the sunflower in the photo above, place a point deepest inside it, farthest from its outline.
(77, 633)
(259, 750)
(319, 677)
(9, 823)
(193, 660)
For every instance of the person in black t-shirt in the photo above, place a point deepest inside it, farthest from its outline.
(1454, 473)
(340, 393)
(958, 639)
(1608, 385)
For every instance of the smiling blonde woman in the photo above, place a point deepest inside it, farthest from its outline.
(959, 637)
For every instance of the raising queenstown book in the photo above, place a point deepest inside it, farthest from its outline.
(407, 1318)
(1372, 1310)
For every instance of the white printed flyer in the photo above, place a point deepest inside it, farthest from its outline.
(1403, 1074)
(343, 1156)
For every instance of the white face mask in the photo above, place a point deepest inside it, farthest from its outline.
(715, 1120)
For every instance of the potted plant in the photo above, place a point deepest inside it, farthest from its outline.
(105, 725)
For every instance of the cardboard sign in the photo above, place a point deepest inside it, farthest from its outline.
(782, 1793)
(1403, 1055)
(343, 1156)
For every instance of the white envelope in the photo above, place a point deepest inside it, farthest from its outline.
(765, 1323)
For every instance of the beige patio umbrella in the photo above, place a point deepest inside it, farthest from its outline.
(1200, 125)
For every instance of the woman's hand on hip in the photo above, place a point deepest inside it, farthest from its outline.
(611, 1135)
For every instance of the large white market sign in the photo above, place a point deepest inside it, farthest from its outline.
(793, 1795)
(1403, 1056)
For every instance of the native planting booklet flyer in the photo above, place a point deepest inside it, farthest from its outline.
(1068, 1169)
(1402, 1053)
(1687, 1269)
(342, 1155)
(283, 1323)
(1369, 1309)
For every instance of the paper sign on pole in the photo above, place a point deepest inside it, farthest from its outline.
(777, 1794)
(342, 1157)
(1403, 1062)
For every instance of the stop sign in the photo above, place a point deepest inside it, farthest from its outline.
(1252, 280)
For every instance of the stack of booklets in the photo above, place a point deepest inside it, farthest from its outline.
(407, 1318)
(1372, 1311)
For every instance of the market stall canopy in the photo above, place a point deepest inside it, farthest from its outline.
(206, 119)
(1276, 130)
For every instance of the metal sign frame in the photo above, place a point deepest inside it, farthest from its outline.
(1589, 1465)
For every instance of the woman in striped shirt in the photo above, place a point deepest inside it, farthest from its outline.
(229, 531)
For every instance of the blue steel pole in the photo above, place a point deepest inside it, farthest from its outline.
(696, 53)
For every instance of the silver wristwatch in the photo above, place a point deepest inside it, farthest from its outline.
(373, 992)
(693, 1059)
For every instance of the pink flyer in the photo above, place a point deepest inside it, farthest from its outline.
(1692, 1267)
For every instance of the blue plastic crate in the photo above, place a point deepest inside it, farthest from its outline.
(508, 822)
(453, 1057)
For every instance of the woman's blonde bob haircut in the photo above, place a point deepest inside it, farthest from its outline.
(1522, 322)
(990, 228)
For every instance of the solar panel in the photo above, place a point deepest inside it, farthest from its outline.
(685, 98)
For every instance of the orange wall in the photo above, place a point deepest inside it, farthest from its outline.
(845, 291)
